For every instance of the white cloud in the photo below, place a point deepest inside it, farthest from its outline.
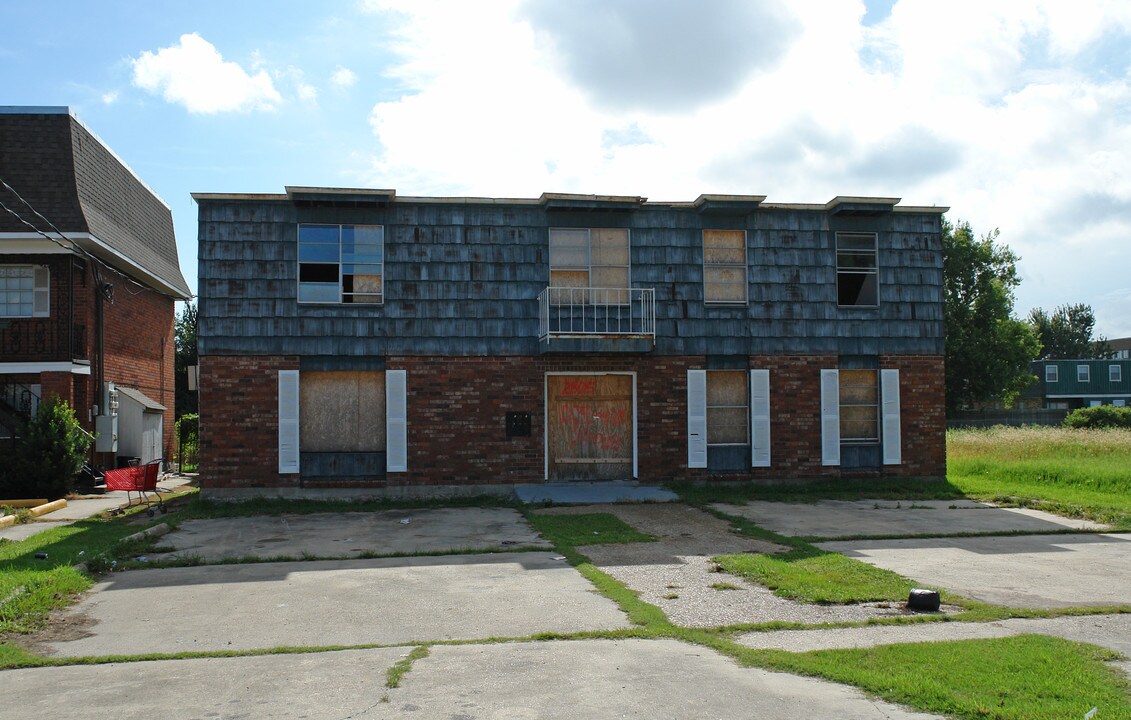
(1014, 116)
(109, 98)
(194, 74)
(343, 77)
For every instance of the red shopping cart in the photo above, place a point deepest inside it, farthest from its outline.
(141, 479)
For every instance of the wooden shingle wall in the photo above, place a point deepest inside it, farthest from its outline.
(463, 280)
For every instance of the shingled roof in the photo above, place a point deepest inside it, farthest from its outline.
(67, 174)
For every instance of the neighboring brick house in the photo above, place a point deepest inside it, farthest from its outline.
(88, 280)
(355, 343)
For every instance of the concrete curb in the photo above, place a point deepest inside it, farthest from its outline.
(154, 532)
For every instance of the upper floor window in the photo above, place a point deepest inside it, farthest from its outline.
(724, 266)
(1083, 373)
(856, 270)
(25, 291)
(1052, 373)
(1114, 373)
(341, 263)
(589, 265)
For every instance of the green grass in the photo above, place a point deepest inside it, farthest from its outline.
(588, 529)
(400, 668)
(1079, 473)
(1028, 677)
(812, 575)
(31, 587)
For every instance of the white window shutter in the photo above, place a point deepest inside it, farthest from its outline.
(892, 437)
(759, 418)
(41, 300)
(696, 418)
(830, 417)
(396, 420)
(288, 422)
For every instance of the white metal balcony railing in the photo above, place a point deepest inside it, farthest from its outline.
(596, 312)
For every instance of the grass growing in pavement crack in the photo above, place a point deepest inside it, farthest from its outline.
(400, 668)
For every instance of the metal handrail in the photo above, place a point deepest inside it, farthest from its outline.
(596, 312)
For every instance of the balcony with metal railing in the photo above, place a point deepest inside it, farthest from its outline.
(576, 319)
(41, 340)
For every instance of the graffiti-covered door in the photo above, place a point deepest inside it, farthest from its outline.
(590, 427)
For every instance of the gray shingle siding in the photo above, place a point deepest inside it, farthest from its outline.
(463, 279)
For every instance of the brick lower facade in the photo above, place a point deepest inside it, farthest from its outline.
(457, 408)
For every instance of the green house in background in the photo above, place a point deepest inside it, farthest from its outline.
(1072, 384)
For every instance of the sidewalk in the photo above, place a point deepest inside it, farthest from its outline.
(85, 506)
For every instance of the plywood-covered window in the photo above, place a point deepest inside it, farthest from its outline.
(724, 266)
(728, 407)
(341, 263)
(857, 280)
(589, 265)
(859, 406)
(342, 411)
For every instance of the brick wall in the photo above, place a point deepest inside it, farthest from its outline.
(139, 346)
(457, 409)
(922, 416)
(239, 422)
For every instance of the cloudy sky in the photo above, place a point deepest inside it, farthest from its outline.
(1015, 115)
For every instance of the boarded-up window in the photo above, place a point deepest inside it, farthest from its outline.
(341, 263)
(856, 270)
(342, 411)
(859, 407)
(728, 408)
(724, 266)
(589, 265)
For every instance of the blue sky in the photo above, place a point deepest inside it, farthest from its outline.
(1017, 116)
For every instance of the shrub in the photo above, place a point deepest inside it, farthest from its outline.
(187, 434)
(1101, 416)
(50, 455)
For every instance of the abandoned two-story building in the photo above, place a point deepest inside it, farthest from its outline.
(353, 342)
(89, 276)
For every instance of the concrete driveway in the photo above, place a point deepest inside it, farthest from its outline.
(1026, 571)
(592, 679)
(479, 597)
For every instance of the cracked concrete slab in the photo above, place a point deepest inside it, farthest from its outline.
(847, 518)
(617, 679)
(344, 602)
(337, 535)
(1027, 571)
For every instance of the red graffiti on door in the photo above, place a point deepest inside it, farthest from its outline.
(579, 386)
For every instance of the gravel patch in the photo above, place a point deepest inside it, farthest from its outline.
(676, 574)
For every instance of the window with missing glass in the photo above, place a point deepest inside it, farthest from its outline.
(589, 265)
(341, 263)
(857, 277)
(859, 406)
(724, 266)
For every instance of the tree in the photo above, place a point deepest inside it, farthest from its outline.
(184, 340)
(47, 459)
(1066, 334)
(988, 351)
